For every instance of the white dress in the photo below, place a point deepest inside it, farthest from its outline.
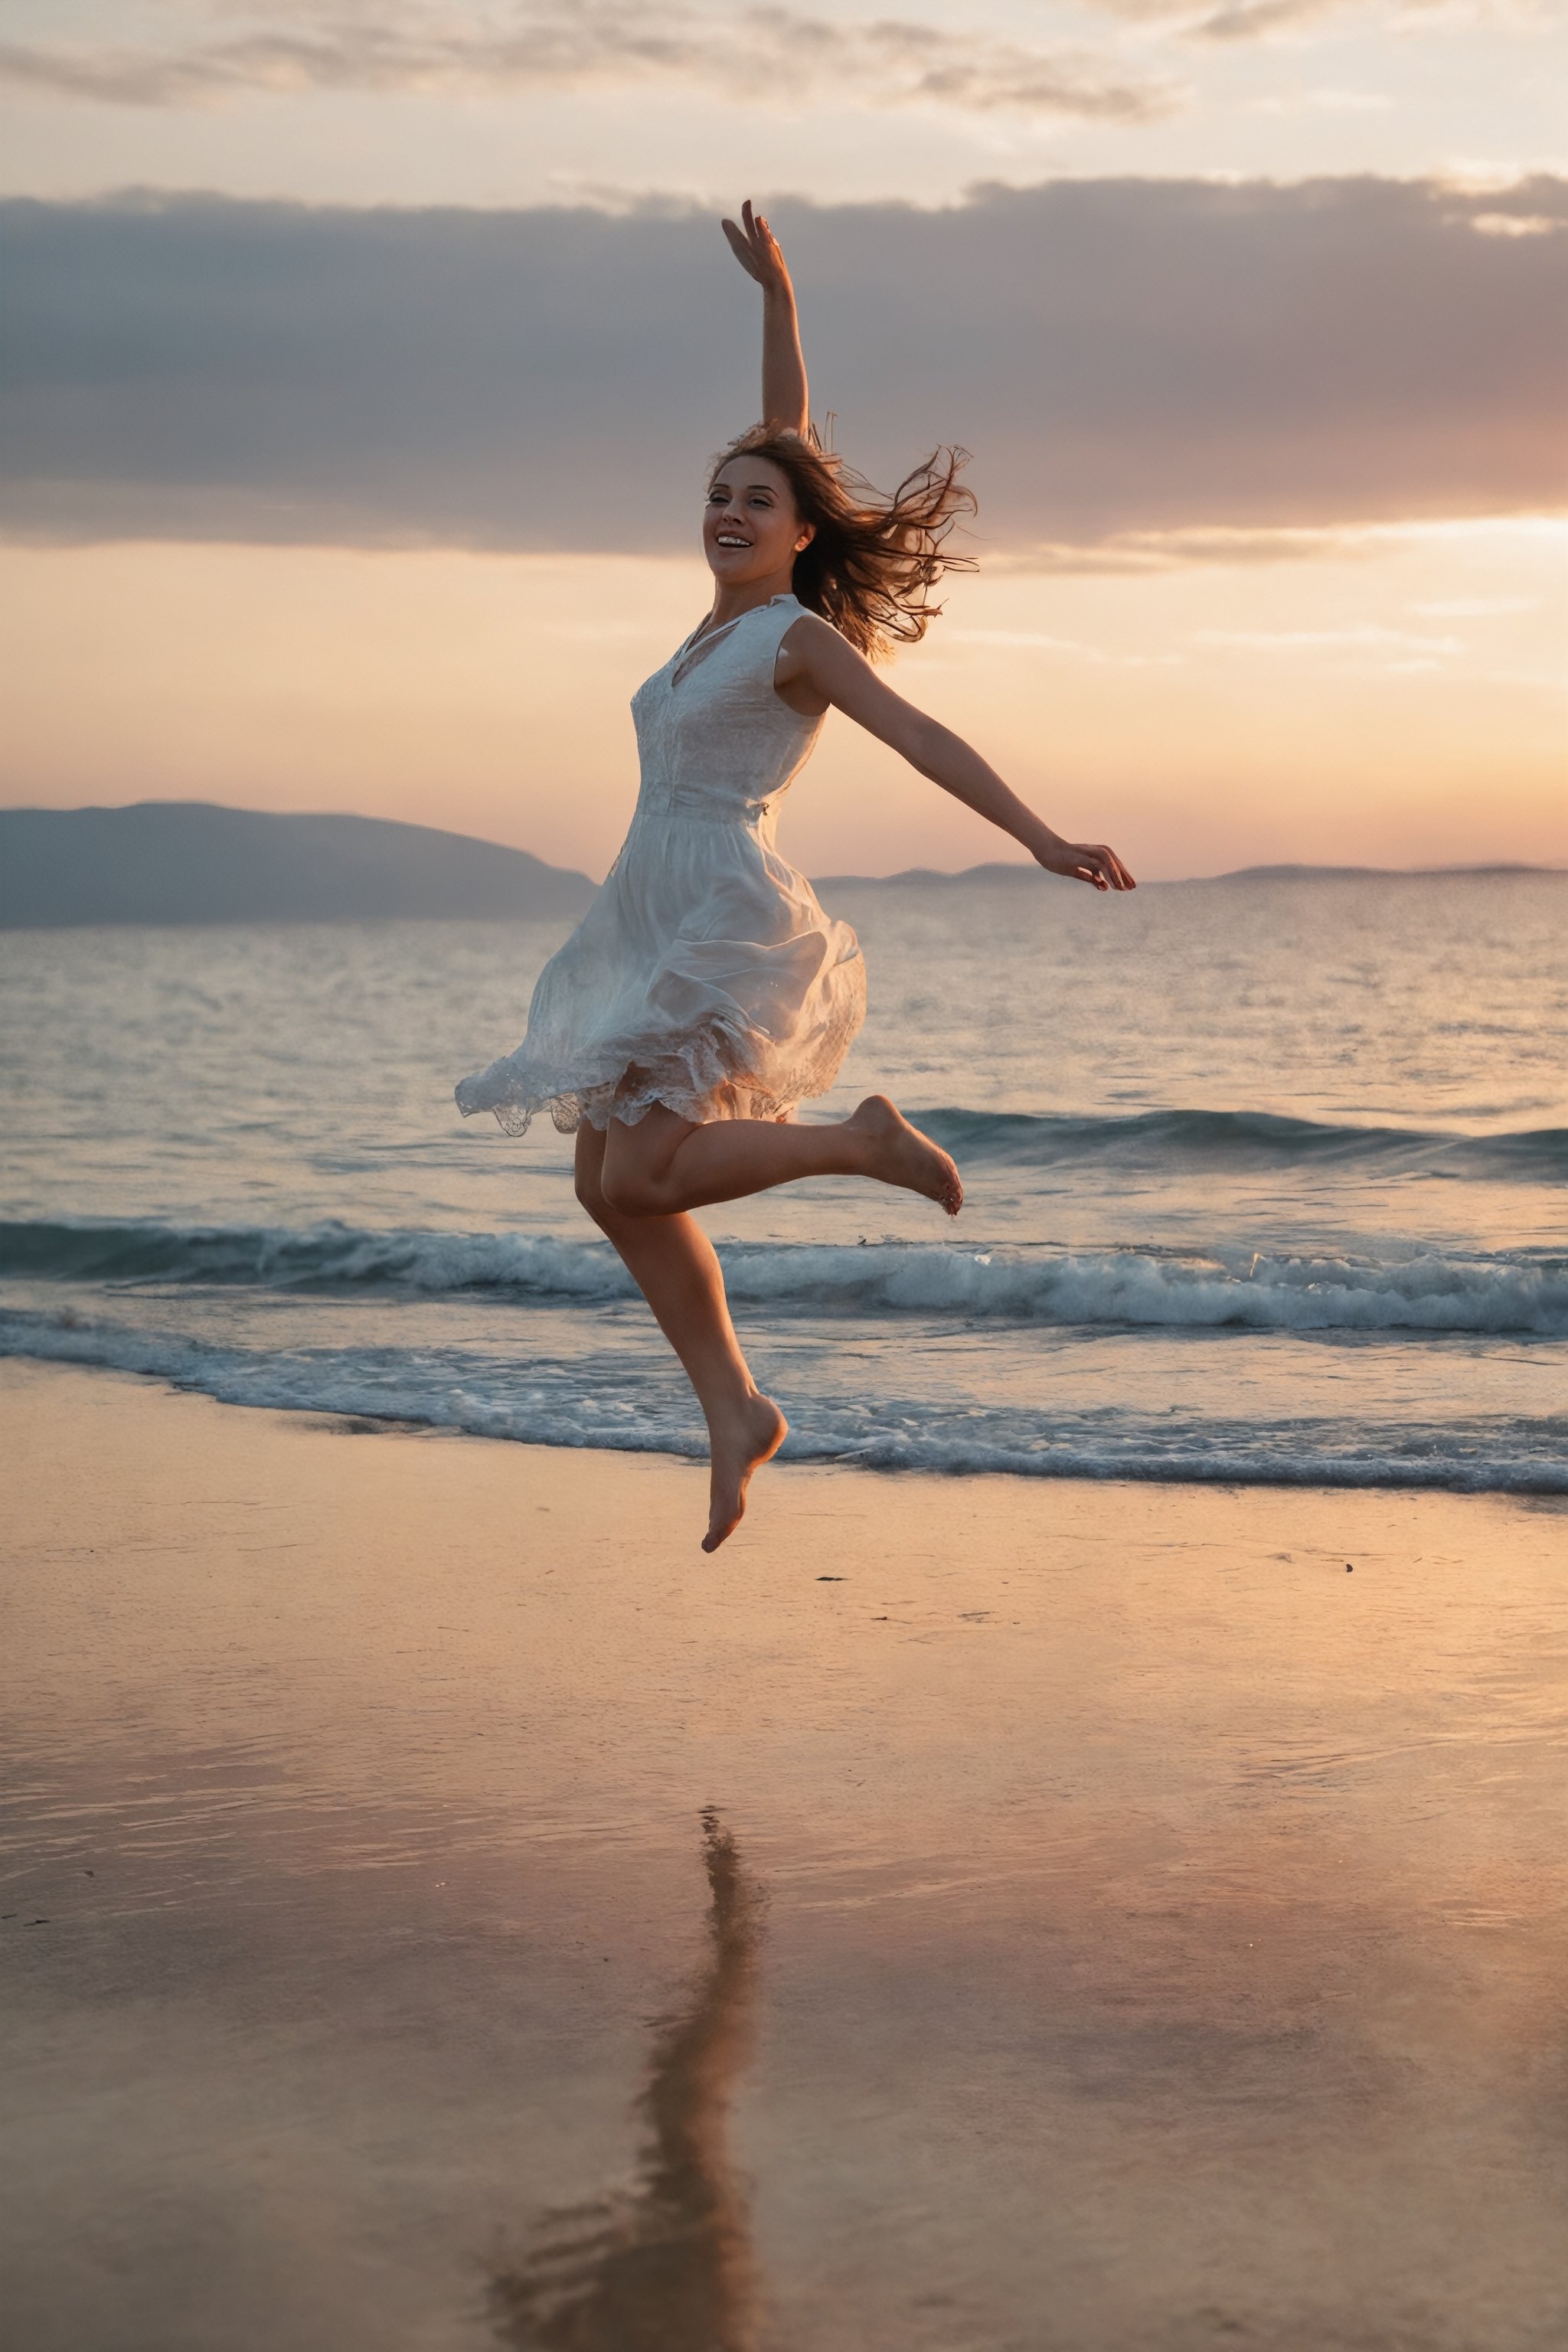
(705, 975)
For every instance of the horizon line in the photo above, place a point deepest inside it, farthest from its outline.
(1275, 869)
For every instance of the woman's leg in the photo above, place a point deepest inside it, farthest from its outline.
(664, 1165)
(672, 1261)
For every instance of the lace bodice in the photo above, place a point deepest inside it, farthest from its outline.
(714, 739)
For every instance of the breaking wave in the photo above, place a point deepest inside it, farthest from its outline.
(1520, 1292)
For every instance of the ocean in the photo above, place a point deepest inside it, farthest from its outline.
(1264, 1185)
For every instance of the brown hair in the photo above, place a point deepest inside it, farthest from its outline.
(871, 566)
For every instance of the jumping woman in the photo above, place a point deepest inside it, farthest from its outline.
(705, 993)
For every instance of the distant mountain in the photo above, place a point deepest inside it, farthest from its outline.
(1016, 870)
(192, 862)
(928, 877)
(189, 862)
(1372, 873)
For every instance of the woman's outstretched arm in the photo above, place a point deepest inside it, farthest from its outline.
(785, 407)
(815, 658)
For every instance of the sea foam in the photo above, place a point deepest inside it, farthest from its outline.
(1261, 1291)
(621, 1406)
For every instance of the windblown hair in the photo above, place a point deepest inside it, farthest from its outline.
(874, 561)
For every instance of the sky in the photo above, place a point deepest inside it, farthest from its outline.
(364, 359)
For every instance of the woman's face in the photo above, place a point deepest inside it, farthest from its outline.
(751, 528)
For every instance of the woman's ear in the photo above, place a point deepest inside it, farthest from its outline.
(807, 535)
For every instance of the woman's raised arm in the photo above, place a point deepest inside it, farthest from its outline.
(785, 407)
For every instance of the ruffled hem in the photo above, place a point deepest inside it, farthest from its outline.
(710, 1073)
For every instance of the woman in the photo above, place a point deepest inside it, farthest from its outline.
(705, 993)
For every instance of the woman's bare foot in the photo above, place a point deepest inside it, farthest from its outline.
(737, 1447)
(904, 1156)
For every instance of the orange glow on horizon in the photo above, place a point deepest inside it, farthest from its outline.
(1396, 698)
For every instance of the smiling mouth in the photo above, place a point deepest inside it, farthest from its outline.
(728, 539)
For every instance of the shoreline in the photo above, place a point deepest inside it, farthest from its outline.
(1060, 1466)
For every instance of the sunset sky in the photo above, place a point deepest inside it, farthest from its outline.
(363, 362)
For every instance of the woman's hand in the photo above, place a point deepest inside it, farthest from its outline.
(1086, 862)
(758, 251)
(786, 405)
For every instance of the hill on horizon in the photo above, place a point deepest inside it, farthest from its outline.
(200, 862)
(1015, 869)
(197, 862)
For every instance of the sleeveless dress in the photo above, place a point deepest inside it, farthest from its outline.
(705, 976)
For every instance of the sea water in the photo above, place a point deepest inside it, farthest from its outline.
(1264, 1183)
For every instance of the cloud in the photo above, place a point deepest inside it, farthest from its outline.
(1150, 372)
(1245, 20)
(1128, 553)
(1074, 648)
(1348, 640)
(1304, 100)
(1515, 225)
(1476, 608)
(774, 53)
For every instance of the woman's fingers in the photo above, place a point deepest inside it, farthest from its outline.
(742, 247)
(755, 246)
(1102, 866)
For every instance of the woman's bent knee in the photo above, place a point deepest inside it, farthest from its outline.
(591, 1195)
(627, 1192)
(587, 1170)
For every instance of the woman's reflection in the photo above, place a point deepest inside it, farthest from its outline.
(667, 2266)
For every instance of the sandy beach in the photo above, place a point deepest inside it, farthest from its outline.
(993, 1914)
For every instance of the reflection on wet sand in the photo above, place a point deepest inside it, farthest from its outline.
(667, 2265)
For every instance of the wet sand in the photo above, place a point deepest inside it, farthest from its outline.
(447, 1910)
